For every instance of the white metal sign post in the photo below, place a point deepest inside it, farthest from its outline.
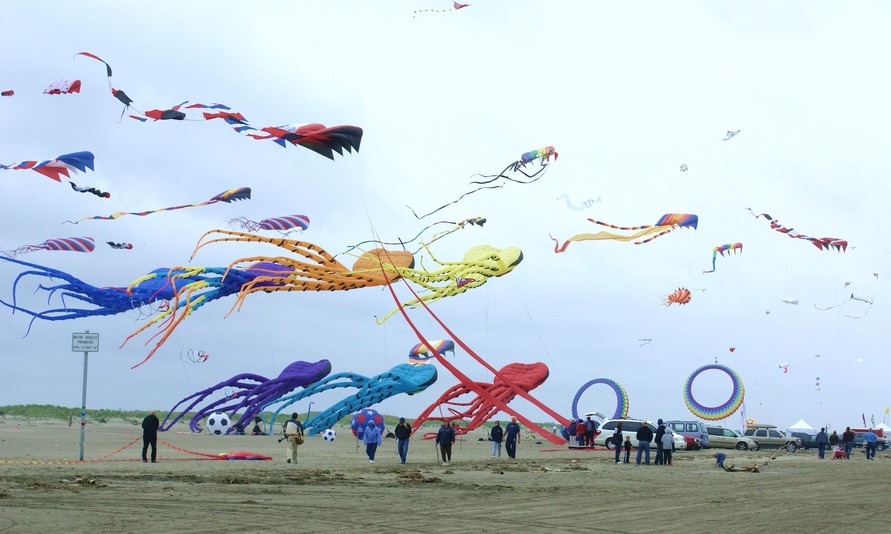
(84, 342)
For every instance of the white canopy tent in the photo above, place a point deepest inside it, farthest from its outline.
(802, 426)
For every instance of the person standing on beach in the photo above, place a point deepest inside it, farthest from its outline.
(833, 439)
(150, 435)
(511, 437)
(590, 431)
(371, 438)
(444, 438)
(627, 446)
(848, 442)
(617, 441)
(644, 437)
(822, 442)
(571, 429)
(294, 435)
(666, 443)
(403, 432)
(660, 431)
(869, 441)
(497, 435)
(580, 433)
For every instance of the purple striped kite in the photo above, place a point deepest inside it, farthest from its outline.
(69, 244)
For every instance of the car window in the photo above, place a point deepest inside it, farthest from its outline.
(610, 425)
(775, 434)
(677, 427)
(630, 426)
(729, 433)
(761, 433)
(691, 427)
(716, 432)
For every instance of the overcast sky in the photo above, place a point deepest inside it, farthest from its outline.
(626, 93)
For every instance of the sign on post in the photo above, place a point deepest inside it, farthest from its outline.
(84, 342)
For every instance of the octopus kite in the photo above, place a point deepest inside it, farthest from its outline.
(253, 391)
(681, 296)
(667, 223)
(822, 243)
(526, 376)
(402, 378)
(188, 288)
(542, 154)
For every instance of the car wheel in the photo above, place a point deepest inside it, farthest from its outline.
(609, 444)
(741, 446)
(757, 447)
(880, 447)
(791, 447)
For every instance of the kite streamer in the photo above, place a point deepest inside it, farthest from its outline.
(239, 193)
(714, 413)
(621, 397)
(667, 223)
(822, 243)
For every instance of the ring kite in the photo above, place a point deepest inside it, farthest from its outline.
(665, 224)
(621, 397)
(714, 413)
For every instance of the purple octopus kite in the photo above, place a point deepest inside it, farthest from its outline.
(253, 392)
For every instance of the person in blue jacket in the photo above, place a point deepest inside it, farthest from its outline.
(371, 438)
(497, 435)
(511, 437)
(444, 438)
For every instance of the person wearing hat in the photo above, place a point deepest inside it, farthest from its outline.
(371, 438)
(403, 432)
(660, 431)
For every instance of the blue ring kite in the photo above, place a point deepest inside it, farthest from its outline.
(621, 397)
(714, 413)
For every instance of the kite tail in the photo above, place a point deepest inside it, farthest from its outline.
(557, 247)
(608, 225)
(647, 240)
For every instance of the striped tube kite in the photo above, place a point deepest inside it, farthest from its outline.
(282, 224)
(68, 244)
(721, 249)
(420, 354)
(667, 223)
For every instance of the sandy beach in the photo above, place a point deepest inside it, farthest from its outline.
(334, 488)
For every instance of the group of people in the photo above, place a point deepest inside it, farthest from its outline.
(843, 446)
(583, 431)
(663, 438)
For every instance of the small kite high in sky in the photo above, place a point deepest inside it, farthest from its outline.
(859, 298)
(63, 87)
(542, 154)
(665, 224)
(730, 134)
(822, 243)
(680, 296)
(455, 7)
(284, 224)
(239, 193)
(721, 249)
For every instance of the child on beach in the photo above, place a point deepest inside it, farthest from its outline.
(627, 449)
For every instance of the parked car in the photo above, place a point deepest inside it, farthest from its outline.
(630, 428)
(808, 441)
(694, 429)
(769, 437)
(724, 438)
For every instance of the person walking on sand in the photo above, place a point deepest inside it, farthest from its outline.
(848, 441)
(822, 442)
(644, 437)
(869, 441)
(511, 437)
(617, 441)
(497, 435)
(833, 439)
(294, 435)
(150, 435)
(371, 438)
(444, 438)
(403, 432)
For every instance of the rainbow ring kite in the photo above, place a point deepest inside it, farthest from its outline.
(714, 413)
(621, 397)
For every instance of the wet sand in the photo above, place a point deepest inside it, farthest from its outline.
(333, 487)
